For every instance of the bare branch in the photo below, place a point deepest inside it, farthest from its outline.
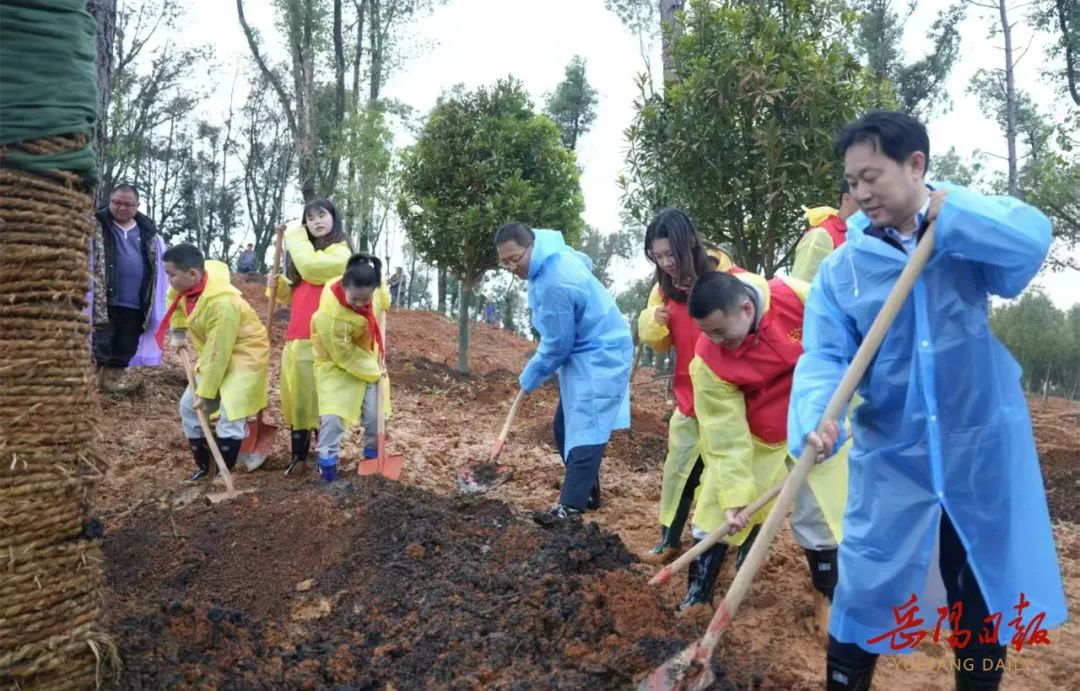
(267, 72)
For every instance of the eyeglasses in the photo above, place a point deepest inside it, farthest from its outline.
(511, 262)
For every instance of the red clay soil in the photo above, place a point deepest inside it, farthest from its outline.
(371, 584)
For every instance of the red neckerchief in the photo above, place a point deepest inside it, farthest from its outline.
(366, 312)
(189, 305)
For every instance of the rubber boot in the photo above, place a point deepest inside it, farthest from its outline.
(594, 496)
(230, 450)
(328, 468)
(701, 577)
(200, 451)
(983, 672)
(847, 669)
(301, 446)
(667, 551)
(670, 546)
(744, 548)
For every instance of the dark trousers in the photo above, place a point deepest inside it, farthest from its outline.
(117, 342)
(582, 466)
(850, 668)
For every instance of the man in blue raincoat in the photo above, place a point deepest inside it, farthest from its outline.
(944, 459)
(583, 338)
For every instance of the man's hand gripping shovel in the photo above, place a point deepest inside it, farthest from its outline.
(692, 668)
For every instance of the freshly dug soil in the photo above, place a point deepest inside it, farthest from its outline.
(369, 583)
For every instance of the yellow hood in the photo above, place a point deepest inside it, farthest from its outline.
(816, 216)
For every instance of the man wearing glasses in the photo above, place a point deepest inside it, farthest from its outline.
(128, 297)
(586, 341)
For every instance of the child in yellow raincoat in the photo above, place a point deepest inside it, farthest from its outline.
(742, 372)
(349, 358)
(316, 252)
(680, 256)
(232, 347)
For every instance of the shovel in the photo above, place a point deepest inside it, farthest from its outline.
(692, 668)
(387, 465)
(481, 476)
(261, 435)
(230, 492)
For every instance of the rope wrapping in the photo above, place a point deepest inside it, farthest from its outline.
(50, 548)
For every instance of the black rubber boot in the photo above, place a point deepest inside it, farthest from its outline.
(668, 549)
(594, 496)
(200, 451)
(701, 577)
(301, 447)
(848, 667)
(983, 672)
(823, 573)
(744, 548)
(230, 450)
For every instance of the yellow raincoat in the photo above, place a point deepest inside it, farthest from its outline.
(346, 361)
(739, 466)
(815, 245)
(299, 401)
(683, 450)
(234, 353)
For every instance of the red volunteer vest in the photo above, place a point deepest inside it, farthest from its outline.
(836, 228)
(762, 367)
(684, 336)
(305, 302)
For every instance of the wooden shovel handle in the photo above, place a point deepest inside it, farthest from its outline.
(840, 398)
(280, 233)
(205, 422)
(496, 451)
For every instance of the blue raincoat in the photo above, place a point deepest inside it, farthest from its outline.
(944, 425)
(583, 337)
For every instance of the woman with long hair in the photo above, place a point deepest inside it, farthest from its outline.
(680, 256)
(316, 253)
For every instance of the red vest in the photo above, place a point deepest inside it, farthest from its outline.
(762, 367)
(684, 336)
(836, 228)
(305, 302)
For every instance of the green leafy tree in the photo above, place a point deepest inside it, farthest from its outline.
(484, 158)
(573, 105)
(1042, 338)
(951, 167)
(744, 137)
(604, 249)
(919, 85)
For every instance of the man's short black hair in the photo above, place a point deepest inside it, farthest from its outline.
(517, 231)
(185, 257)
(897, 135)
(845, 188)
(125, 187)
(716, 290)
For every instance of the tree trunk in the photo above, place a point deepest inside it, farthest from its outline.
(1010, 100)
(671, 28)
(412, 282)
(376, 48)
(351, 197)
(104, 11)
(442, 291)
(464, 299)
(1072, 60)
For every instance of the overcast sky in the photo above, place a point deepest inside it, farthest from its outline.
(475, 42)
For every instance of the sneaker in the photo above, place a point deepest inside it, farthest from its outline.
(564, 511)
(198, 475)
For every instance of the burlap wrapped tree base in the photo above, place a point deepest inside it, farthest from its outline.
(50, 557)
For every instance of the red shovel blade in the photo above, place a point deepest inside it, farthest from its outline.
(258, 443)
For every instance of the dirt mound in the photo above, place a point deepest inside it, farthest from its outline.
(370, 583)
(1056, 422)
